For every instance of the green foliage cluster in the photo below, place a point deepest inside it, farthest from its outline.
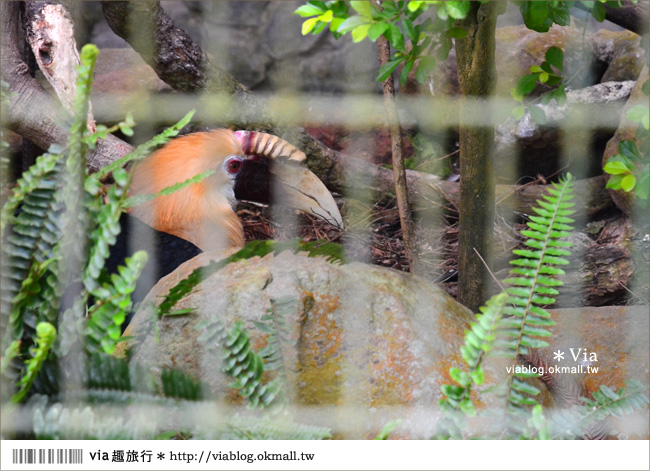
(629, 169)
(430, 36)
(511, 324)
(239, 361)
(399, 22)
(540, 16)
(548, 73)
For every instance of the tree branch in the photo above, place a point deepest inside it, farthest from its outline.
(631, 16)
(50, 34)
(33, 113)
(399, 170)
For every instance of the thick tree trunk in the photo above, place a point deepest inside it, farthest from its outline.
(477, 79)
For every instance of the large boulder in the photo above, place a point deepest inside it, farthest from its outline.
(361, 336)
(369, 344)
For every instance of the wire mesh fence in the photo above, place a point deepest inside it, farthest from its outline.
(348, 347)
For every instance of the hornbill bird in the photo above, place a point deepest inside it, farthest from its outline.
(174, 228)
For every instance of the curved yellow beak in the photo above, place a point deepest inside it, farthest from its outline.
(297, 187)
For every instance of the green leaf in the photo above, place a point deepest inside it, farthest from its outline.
(555, 57)
(363, 8)
(457, 10)
(308, 25)
(426, 65)
(457, 33)
(308, 10)
(394, 35)
(629, 149)
(467, 407)
(335, 24)
(598, 12)
(387, 429)
(538, 114)
(628, 182)
(518, 112)
(360, 32)
(543, 77)
(536, 15)
(413, 5)
(320, 26)
(614, 182)
(327, 16)
(615, 167)
(351, 23)
(125, 129)
(410, 30)
(477, 376)
(406, 70)
(121, 176)
(387, 69)
(637, 113)
(376, 30)
(560, 14)
(526, 84)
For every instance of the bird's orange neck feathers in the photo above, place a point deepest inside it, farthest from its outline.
(202, 212)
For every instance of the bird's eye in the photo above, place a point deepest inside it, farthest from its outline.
(233, 165)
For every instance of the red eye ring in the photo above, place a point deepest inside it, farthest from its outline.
(233, 165)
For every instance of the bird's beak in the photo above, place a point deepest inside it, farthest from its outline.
(297, 187)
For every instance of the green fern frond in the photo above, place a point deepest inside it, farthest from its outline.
(113, 301)
(106, 372)
(332, 251)
(239, 361)
(277, 324)
(575, 422)
(280, 325)
(46, 334)
(139, 199)
(533, 286)
(12, 351)
(29, 288)
(143, 150)
(26, 184)
(179, 385)
(255, 428)
(479, 340)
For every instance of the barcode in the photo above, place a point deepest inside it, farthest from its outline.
(48, 456)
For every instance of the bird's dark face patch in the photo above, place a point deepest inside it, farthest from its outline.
(253, 182)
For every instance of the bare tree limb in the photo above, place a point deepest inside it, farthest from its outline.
(33, 113)
(173, 55)
(399, 170)
(50, 34)
(631, 16)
